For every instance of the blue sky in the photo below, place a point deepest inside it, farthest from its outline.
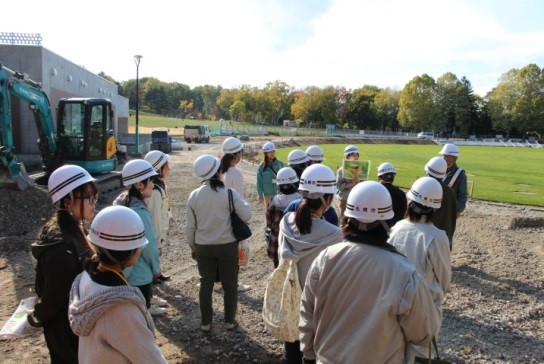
(346, 43)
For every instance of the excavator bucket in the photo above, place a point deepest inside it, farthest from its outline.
(24, 181)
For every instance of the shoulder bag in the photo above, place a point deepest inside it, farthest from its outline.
(281, 306)
(240, 229)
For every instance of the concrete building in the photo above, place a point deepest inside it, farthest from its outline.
(60, 78)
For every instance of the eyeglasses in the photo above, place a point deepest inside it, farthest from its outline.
(92, 198)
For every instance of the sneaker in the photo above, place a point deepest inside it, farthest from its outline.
(156, 311)
(157, 301)
(229, 326)
(163, 278)
(206, 328)
(243, 287)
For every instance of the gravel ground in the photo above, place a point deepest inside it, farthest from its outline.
(494, 312)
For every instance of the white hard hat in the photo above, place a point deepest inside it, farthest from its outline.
(426, 191)
(269, 147)
(436, 167)
(118, 228)
(297, 156)
(386, 168)
(232, 145)
(369, 201)
(65, 179)
(350, 149)
(315, 153)
(450, 149)
(157, 159)
(286, 175)
(137, 170)
(206, 166)
(318, 178)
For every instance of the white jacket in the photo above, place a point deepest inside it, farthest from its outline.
(234, 179)
(364, 304)
(159, 207)
(208, 215)
(428, 249)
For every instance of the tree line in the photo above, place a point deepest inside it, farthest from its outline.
(446, 106)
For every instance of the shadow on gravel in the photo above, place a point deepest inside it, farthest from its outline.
(218, 346)
(486, 284)
(486, 340)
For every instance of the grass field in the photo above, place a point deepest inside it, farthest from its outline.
(511, 175)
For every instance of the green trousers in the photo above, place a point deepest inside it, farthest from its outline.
(224, 256)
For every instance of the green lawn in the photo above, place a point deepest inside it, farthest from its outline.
(498, 174)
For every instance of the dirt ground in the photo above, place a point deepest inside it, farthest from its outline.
(494, 312)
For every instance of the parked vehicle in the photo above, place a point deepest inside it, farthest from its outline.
(197, 134)
(425, 135)
(161, 141)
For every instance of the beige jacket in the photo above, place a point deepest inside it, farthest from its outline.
(208, 216)
(364, 304)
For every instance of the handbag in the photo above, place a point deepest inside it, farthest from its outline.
(240, 229)
(430, 360)
(281, 306)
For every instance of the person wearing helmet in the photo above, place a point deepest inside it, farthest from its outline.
(445, 217)
(288, 192)
(159, 208)
(109, 316)
(210, 237)
(425, 246)
(386, 176)
(60, 255)
(363, 293)
(304, 234)
(344, 185)
(137, 176)
(456, 177)
(233, 178)
(267, 174)
(298, 160)
(315, 154)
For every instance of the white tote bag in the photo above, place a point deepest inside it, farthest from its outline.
(281, 308)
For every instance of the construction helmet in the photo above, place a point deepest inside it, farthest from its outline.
(436, 167)
(369, 201)
(286, 175)
(157, 159)
(232, 145)
(118, 228)
(426, 191)
(315, 153)
(450, 149)
(318, 178)
(65, 179)
(137, 170)
(297, 156)
(206, 166)
(268, 147)
(385, 168)
(350, 149)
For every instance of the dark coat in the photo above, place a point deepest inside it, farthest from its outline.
(400, 203)
(60, 258)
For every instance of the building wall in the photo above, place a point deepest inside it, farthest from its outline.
(60, 78)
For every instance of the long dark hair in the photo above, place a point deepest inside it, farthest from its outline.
(303, 215)
(288, 189)
(226, 160)
(215, 182)
(64, 218)
(375, 234)
(135, 192)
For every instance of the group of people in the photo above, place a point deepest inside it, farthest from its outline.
(94, 288)
(375, 278)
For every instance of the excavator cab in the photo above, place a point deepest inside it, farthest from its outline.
(85, 133)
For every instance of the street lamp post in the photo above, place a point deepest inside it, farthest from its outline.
(137, 59)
